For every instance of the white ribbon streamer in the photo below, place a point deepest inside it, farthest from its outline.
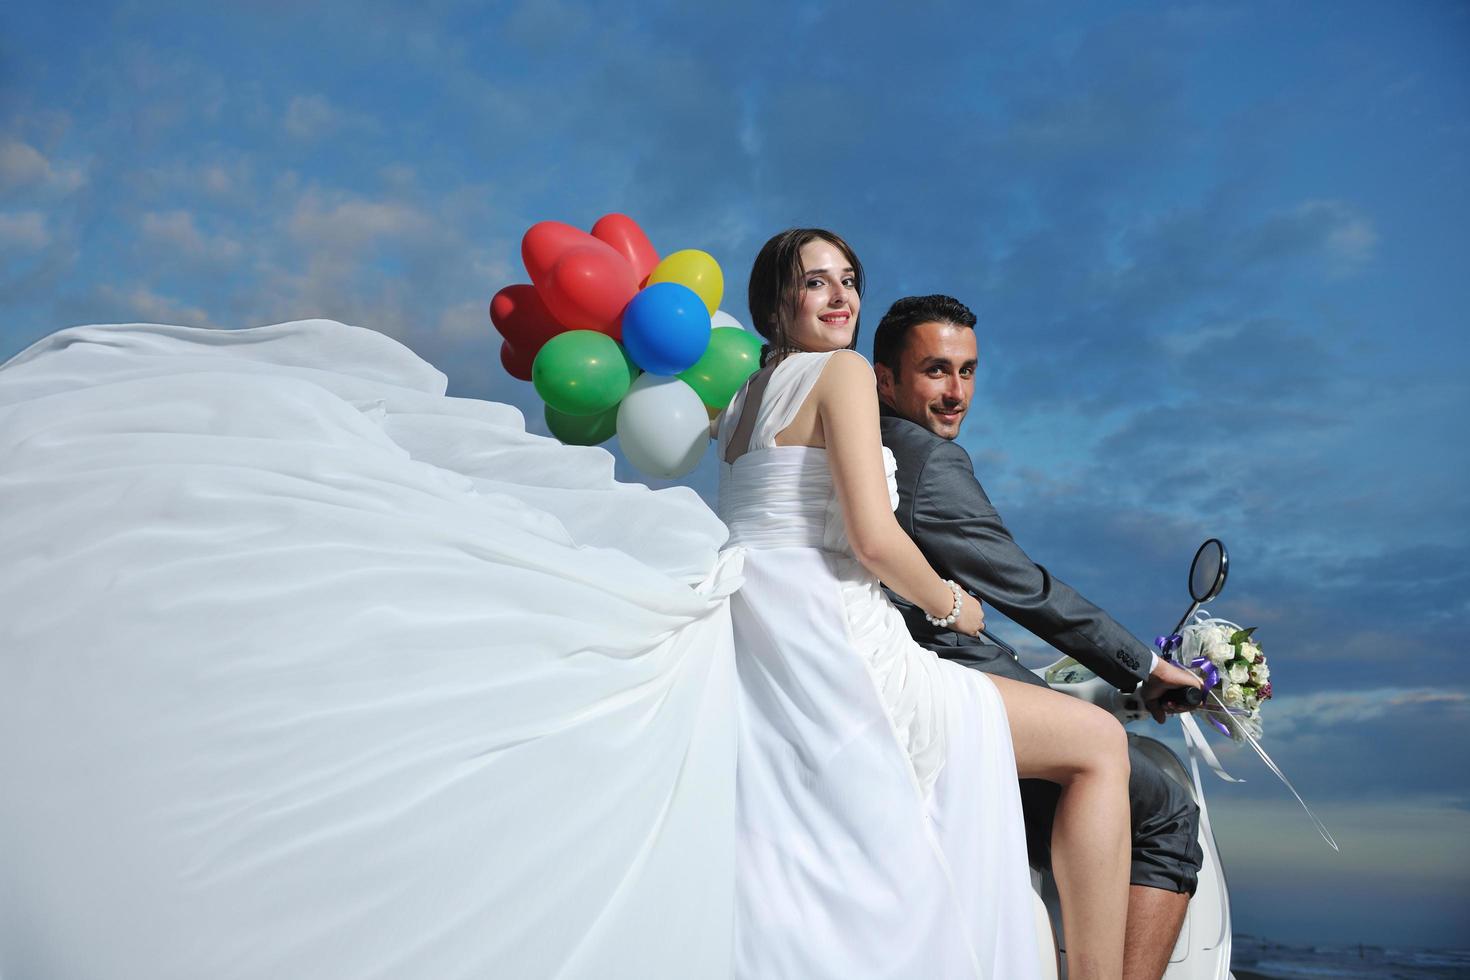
(1270, 764)
(1199, 748)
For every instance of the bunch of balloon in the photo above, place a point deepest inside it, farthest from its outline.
(617, 340)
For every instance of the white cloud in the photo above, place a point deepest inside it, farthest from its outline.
(354, 223)
(172, 228)
(22, 165)
(1352, 240)
(226, 178)
(313, 116)
(151, 307)
(177, 230)
(308, 116)
(218, 179)
(400, 176)
(1334, 229)
(24, 230)
(467, 320)
(492, 265)
(1332, 709)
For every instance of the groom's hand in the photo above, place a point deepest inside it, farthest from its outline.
(1165, 678)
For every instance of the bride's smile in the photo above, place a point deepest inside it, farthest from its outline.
(827, 303)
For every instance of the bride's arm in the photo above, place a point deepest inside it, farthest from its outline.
(847, 403)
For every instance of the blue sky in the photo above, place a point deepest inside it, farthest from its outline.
(1217, 252)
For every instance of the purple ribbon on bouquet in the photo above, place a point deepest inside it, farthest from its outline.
(1170, 645)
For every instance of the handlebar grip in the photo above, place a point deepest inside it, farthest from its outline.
(1189, 697)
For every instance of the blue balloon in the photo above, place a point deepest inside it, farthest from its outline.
(666, 328)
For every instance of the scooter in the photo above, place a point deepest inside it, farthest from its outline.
(1202, 951)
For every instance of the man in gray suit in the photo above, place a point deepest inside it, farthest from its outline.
(924, 355)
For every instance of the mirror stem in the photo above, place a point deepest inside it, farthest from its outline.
(1192, 607)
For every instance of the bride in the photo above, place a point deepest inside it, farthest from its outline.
(879, 828)
(307, 669)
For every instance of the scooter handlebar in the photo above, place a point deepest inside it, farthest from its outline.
(1188, 697)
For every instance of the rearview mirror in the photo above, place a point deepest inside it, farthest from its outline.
(1207, 573)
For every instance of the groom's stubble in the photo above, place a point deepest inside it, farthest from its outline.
(936, 377)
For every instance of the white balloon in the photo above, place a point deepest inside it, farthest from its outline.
(663, 427)
(723, 319)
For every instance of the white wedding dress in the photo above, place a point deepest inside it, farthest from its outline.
(308, 671)
(880, 829)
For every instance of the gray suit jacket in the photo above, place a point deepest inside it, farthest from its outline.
(945, 510)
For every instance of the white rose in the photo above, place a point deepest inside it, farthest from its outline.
(1234, 696)
(1249, 652)
(1239, 672)
(1219, 652)
(1260, 673)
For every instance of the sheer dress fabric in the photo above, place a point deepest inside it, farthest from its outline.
(879, 826)
(308, 670)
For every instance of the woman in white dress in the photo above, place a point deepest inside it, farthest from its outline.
(308, 670)
(879, 829)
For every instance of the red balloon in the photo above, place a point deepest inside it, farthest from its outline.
(516, 364)
(522, 318)
(624, 235)
(547, 241)
(588, 288)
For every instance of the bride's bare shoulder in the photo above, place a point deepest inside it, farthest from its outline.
(846, 376)
(847, 367)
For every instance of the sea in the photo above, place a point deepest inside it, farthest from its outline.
(1253, 958)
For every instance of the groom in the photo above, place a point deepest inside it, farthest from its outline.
(924, 354)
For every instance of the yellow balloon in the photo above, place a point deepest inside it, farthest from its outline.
(695, 269)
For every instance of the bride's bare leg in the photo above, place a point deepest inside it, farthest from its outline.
(1085, 750)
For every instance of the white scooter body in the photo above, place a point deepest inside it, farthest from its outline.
(1202, 951)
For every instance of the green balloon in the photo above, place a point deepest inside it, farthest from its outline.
(581, 372)
(732, 356)
(582, 430)
(633, 369)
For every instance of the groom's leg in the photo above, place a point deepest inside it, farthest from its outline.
(1166, 862)
(1039, 809)
(1154, 918)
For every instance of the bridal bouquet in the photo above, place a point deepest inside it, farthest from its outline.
(1236, 675)
(1237, 679)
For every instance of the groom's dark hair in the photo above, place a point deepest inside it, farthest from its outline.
(893, 330)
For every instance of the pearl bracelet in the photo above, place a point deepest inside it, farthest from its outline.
(954, 614)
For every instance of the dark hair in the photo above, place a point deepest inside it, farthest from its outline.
(775, 281)
(893, 330)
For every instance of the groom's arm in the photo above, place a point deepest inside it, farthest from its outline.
(957, 527)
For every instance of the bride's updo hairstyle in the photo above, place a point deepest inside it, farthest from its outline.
(775, 286)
